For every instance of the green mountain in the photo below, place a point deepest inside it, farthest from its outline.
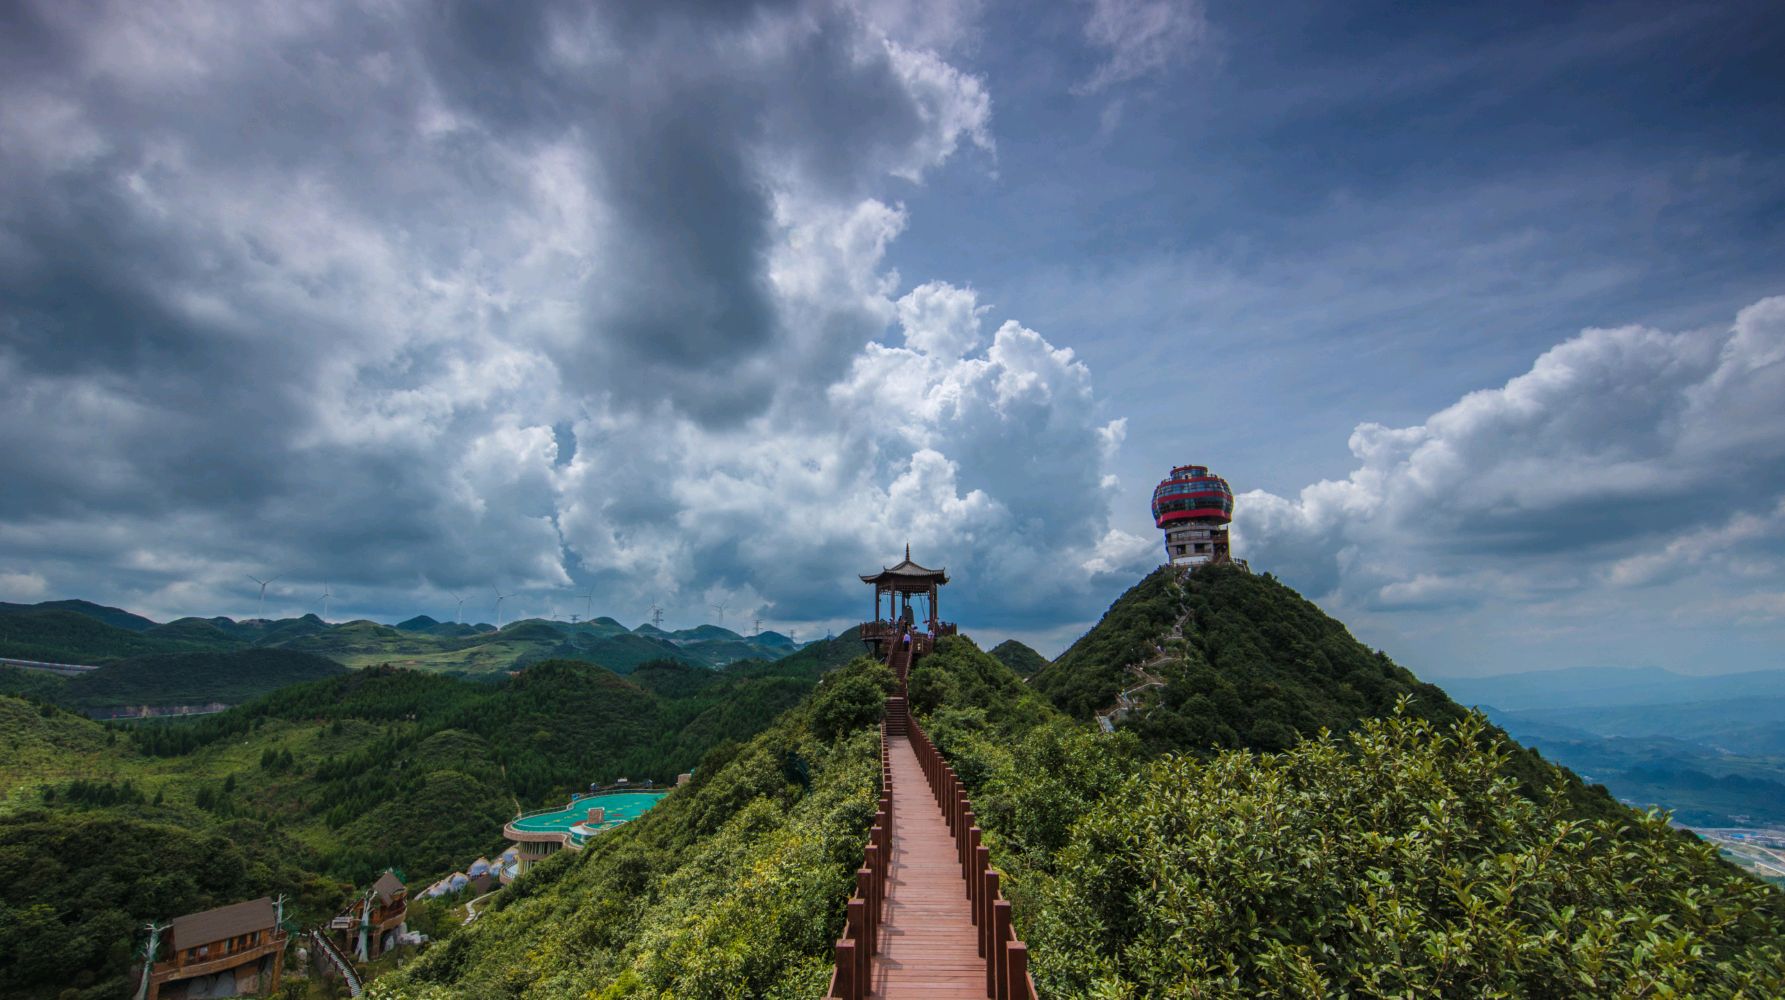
(60, 636)
(176, 679)
(1018, 657)
(115, 617)
(85, 633)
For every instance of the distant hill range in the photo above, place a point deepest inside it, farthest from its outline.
(1710, 748)
(199, 662)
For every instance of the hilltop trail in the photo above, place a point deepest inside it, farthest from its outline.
(927, 944)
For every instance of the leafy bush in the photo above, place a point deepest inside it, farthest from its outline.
(851, 699)
(1399, 861)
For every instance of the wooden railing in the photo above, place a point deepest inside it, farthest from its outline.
(1007, 958)
(325, 949)
(855, 950)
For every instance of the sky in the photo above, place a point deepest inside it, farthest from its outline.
(1480, 309)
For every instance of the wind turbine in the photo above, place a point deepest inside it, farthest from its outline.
(326, 594)
(588, 603)
(721, 609)
(500, 597)
(458, 612)
(261, 613)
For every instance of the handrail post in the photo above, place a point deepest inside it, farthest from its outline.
(858, 930)
(1002, 986)
(989, 940)
(1019, 972)
(864, 887)
(845, 989)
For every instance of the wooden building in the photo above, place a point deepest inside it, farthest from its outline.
(233, 950)
(372, 924)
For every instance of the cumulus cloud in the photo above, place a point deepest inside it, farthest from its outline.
(530, 295)
(1626, 458)
(1138, 39)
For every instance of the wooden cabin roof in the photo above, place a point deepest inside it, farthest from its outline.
(388, 886)
(224, 922)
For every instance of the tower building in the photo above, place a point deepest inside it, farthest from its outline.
(1193, 507)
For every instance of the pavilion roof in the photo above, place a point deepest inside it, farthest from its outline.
(224, 922)
(906, 572)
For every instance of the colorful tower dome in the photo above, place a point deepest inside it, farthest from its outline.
(1193, 507)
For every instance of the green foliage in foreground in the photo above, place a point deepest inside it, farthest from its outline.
(731, 887)
(1398, 861)
(1403, 860)
(78, 885)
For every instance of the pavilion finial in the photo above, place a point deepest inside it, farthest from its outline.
(907, 551)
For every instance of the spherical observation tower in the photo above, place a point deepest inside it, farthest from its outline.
(1193, 507)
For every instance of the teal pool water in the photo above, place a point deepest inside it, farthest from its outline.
(619, 807)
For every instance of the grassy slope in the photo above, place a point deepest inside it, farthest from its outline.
(39, 743)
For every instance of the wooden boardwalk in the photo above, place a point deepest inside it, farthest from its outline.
(928, 946)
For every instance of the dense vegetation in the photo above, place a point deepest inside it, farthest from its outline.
(732, 887)
(1280, 811)
(1401, 859)
(320, 785)
(193, 678)
(61, 636)
(1398, 861)
(1024, 661)
(1222, 659)
(80, 884)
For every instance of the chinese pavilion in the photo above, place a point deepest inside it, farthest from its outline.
(902, 584)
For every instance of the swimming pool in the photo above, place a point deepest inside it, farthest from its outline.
(572, 824)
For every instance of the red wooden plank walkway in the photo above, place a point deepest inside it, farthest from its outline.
(928, 947)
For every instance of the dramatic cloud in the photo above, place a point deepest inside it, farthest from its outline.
(416, 299)
(1625, 459)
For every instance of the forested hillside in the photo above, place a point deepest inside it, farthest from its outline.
(1024, 661)
(1397, 860)
(164, 679)
(318, 786)
(1222, 659)
(732, 887)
